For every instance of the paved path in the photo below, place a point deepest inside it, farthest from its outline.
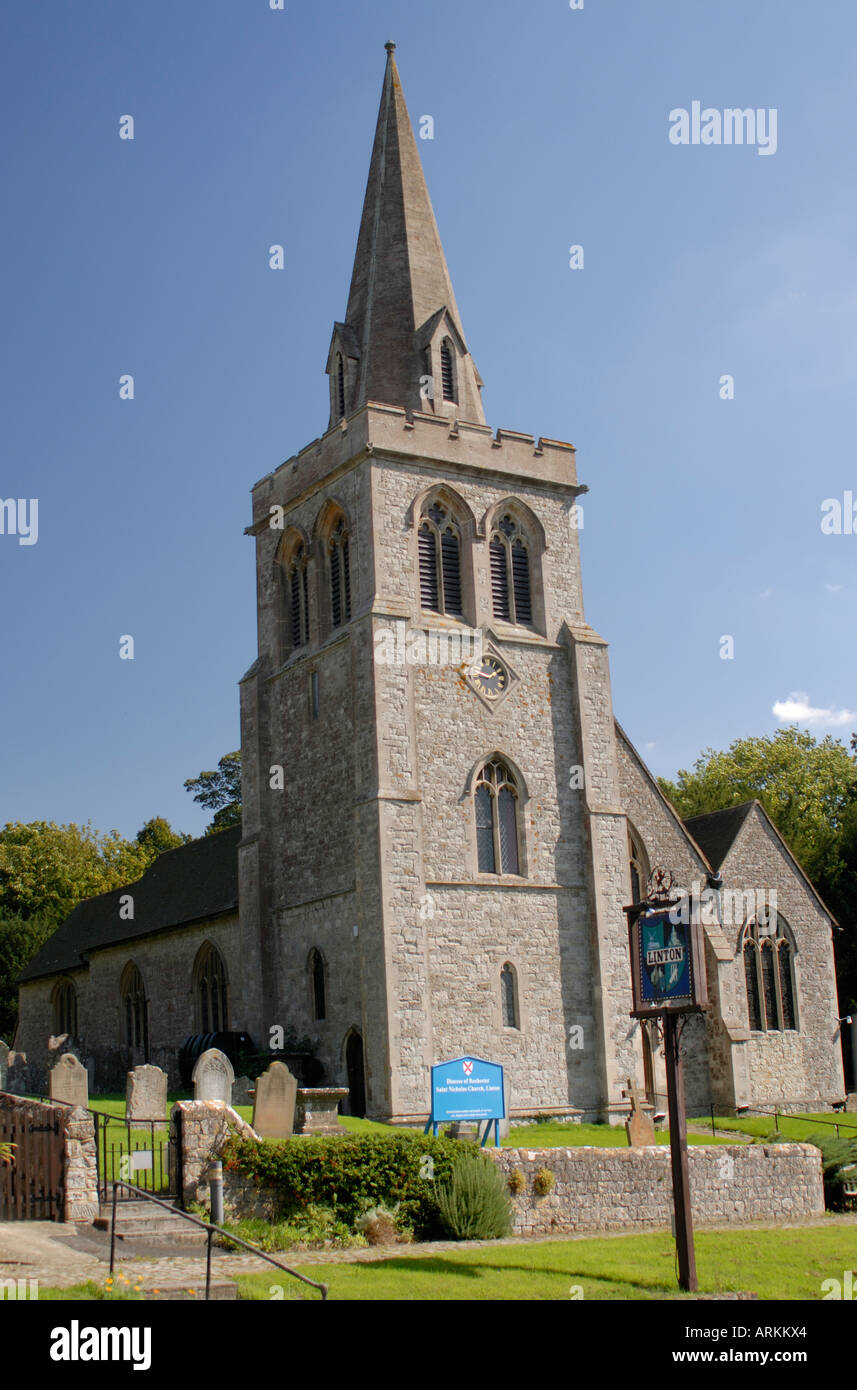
(59, 1256)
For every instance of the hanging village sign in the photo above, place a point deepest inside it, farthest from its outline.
(668, 981)
(667, 961)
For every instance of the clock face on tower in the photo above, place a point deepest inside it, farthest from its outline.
(489, 677)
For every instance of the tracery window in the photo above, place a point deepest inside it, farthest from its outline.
(496, 809)
(340, 384)
(439, 541)
(509, 553)
(135, 1016)
(64, 1009)
(210, 991)
(769, 975)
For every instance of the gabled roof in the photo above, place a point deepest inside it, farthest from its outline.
(189, 884)
(716, 831)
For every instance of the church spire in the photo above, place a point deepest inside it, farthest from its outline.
(401, 342)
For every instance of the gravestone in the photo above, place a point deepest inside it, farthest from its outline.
(639, 1127)
(68, 1082)
(242, 1091)
(851, 1103)
(274, 1103)
(4, 1064)
(146, 1094)
(213, 1077)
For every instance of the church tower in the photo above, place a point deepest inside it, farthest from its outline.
(434, 854)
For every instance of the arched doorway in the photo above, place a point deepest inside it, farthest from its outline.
(356, 1074)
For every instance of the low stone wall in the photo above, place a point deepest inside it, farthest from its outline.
(80, 1174)
(206, 1125)
(608, 1189)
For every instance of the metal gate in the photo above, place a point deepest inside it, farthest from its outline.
(135, 1151)
(32, 1185)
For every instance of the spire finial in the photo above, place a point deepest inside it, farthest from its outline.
(390, 47)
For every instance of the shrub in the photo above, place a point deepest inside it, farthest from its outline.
(348, 1174)
(474, 1202)
(543, 1182)
(379, 1226)
(837, 1154)
(517, 1181)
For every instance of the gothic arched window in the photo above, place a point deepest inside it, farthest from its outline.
(768, 953)
(210, 991)
(447, 371)
(298, 602)
(135, 1012)
(510, 573)
(496, 807)
(340, 576)
(439, 541)
(509, 996)
(639, 870)
(64, 1008)
(316, 971)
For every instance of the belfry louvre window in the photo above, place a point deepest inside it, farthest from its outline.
(510, 574)
(340, 385)
(439, 544)
(769, 976)
(210, 990)
(496, 809)
(447, 372)
(298, 605)
(340, 577)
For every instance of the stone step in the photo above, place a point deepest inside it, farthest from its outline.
(147, 1224)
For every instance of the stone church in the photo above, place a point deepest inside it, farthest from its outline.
(442, 820)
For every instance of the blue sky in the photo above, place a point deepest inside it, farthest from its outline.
(253, 127)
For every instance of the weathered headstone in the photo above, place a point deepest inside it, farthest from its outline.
(242, 1091)
(213, 1076)
(639, 1126)
(274, 1103)
(4, 1064)
(317, 1109)
(68, 1081)
(146, 1094)
(851, 1103)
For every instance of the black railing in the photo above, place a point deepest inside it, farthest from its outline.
(210, 1231)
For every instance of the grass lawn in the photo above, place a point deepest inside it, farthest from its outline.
(794, 1127)
(775, 1264)
(551, 1136)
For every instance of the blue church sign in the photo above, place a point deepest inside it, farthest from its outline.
(467, 1089)
(666, 956)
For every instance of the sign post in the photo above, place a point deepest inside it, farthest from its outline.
(668, 981)
(467, 1088)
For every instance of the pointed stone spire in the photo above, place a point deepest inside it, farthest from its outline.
(401, 342)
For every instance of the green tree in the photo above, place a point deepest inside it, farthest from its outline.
(20, 939)
(47, 869)
(220, 791)
(809, 789)
(158, 835)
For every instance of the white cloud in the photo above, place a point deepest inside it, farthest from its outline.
(649, 746)
(766, 593)
(797, 710)
(834, 588)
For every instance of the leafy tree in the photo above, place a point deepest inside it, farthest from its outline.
(158, 835)
(220, 791)
(809, 789)
(20, 939)
(47, 869)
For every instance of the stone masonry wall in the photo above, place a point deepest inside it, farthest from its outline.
(609, 1189)
(206, 1125)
